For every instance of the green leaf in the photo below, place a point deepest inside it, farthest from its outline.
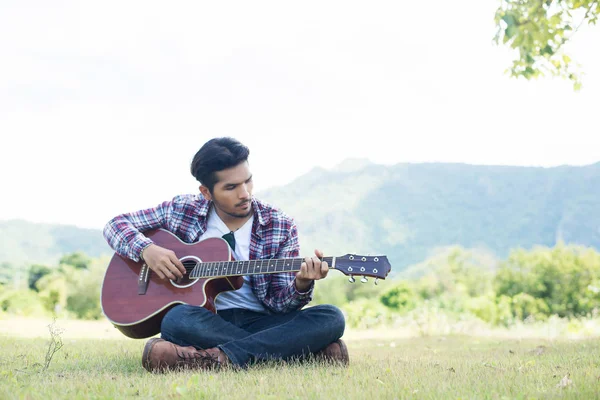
(529, 72)
(566, 59)
(547, 50)
(511, 31)
(519, 40)
(509, 19)
(529, 59)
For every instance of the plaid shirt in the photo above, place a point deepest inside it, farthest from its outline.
(274, 235)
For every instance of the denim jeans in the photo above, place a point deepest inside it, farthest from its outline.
(248, 336)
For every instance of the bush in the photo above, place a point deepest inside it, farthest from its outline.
(22, 302)
(365, 313)
(484, 308)
(526, 306)
(400, 297)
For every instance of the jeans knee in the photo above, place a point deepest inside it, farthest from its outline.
(336, 322)
(176, 323)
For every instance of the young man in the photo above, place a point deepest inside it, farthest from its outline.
(264, 319)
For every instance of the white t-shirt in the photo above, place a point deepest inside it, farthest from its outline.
(243, 297)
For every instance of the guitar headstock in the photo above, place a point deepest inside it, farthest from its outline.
(356, 265)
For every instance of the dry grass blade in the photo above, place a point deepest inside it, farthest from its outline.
(565, 381)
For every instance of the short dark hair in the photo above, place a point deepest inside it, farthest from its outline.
(216, 155)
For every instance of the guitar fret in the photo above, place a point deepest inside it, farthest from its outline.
(249, 267)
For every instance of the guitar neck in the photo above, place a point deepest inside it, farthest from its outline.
(251, 267)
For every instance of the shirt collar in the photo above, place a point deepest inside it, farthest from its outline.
(259, 212)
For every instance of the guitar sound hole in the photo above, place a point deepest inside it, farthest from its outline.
(189, 266)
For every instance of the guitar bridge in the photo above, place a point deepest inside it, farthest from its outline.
(143, 280)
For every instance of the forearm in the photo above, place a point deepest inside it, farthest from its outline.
(283, 293)
(125, 238)
(303, 285)
(124, 232)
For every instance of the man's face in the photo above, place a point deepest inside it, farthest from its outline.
(233, 191)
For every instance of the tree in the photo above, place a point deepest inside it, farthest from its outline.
(77, 259)
(565, 278)
(538, 29)
(37, 272)
(6, 273)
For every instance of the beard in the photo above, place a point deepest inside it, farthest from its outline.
(239, 215)
(234, 214)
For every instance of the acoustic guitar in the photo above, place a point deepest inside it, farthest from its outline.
(135, 300)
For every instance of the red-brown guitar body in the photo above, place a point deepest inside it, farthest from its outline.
(140, 315)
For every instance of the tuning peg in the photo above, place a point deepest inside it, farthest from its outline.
(376, 279)
(351, 279)
(364, 279)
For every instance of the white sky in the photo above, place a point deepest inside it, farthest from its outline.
(103, 105)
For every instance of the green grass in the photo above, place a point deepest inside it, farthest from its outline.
(455, 367)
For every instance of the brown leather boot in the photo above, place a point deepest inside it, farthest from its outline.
(335, 352)
(161, 356)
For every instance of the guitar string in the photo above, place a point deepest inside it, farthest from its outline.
(191, 265)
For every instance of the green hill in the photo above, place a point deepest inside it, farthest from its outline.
(23, 242)
(408, 211)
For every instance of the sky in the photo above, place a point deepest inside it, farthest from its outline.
(104, 104)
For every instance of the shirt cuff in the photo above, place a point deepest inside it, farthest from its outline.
(139, 244)
(303, 294)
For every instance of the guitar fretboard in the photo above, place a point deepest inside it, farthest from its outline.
(252, 267)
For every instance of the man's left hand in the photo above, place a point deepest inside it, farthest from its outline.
(312, 269)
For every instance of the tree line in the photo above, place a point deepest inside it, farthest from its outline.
(533, 284)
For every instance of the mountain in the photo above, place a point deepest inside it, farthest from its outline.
(410, 211)
(405, 211)
(26, 242)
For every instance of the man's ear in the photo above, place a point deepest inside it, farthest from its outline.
(205, 192)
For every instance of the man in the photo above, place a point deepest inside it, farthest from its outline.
(264, 319)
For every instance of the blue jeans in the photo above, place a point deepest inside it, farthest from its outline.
(249, 336)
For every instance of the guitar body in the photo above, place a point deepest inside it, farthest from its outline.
(139, 315)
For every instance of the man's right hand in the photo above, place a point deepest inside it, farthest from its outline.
(163, 261)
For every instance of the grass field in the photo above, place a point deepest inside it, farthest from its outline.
(383, 366)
